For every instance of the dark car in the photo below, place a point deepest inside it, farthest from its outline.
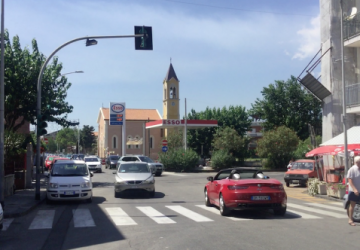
(111, 161)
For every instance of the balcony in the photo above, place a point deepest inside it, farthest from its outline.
(352, 93)
(352, 31)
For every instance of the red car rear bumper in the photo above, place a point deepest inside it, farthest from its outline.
(237, 201)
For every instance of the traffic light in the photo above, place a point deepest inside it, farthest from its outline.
(41, 125)
(145, 42)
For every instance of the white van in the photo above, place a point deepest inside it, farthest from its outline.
(69, 180)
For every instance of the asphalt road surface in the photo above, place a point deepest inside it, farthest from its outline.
(176, 218)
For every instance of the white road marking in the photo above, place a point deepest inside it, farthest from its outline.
(337, 204)
(172, 173)
(6, 223)
(216, 211)
(327, 207)
(82, 218)
(156, 215)
(190, 214)
(318, 211)
(43, 219)
(119, 217)
(303, 215)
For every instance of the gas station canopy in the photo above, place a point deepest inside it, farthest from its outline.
(190, 124)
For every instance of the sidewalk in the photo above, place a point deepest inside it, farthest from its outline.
(23, 201)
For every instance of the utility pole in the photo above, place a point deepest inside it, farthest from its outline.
(2, 111)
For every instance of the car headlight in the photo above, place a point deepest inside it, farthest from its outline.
(287, 176)
(305, 176)
(53, 185)
(85, 184)
(119, 181)
(149, 180)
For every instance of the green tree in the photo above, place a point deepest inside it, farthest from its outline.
(304, 147)
(22, 69)
(277, 146)
(51, 145)
(175, 139)
(87, 138)
(286, 103)
(67, 137)
(234, 117)
(228, 139)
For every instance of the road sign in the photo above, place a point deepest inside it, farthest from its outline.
(46, 140)
(165, 149)
(164, 142)
(117, 113)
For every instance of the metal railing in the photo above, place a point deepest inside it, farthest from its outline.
(352, 94)
(351, 26)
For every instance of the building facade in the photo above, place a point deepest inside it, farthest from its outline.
(140, 140)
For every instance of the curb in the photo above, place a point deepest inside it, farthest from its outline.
(28, 210)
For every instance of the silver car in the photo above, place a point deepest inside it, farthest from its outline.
(134, 176)
(156, 167)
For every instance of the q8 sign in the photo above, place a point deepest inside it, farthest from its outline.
(117, 113)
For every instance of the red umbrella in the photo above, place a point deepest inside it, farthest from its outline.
(325, 150)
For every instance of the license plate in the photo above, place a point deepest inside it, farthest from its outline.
(69, 193)
(260, 198)
(295, 181)
(134, 187)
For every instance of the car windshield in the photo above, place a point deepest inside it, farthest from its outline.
(70, 169)
(146, 159)
(91, 159)
(50, 158)
(114, 158)
(302, 165)
(243, 174)
(133, 168)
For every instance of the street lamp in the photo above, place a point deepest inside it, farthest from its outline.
(90, 41)
(76, 71)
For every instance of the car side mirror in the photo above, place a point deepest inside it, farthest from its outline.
(91, 174)
(210, 178)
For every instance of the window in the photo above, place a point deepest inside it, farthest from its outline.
(114, 142)
(171, 93)
(164, 94)
(151, 142)
(161, 132)
(129, 138)
(174, 93)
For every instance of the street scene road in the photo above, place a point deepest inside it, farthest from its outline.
(177, 218)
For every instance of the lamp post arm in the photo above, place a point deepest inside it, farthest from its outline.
(38, 107)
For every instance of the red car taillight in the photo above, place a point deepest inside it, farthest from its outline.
(279, 187)
(237, 187)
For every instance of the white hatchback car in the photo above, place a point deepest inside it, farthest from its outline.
(93, 163)
(69, 180)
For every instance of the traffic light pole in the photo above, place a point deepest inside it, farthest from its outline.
(38, 106)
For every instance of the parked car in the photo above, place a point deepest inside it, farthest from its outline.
(346, 203)
(134, 176)
(242, 188)
(48, 161)
(111, 161)
(93, 163)
(55, 159)
(302, 170)
(1, 217)
(69, 180)
(156, 167)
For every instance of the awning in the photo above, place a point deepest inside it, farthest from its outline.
(325, 150)
(333, 150)
(353, 137)
(314, 86)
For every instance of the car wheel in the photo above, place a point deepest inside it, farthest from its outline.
(288, 184)
(207, 201)
(117, 194)
(356, 214)
(280, 211)
(89, 200)
(224, 211)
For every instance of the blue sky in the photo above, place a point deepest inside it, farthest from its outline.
(224, 52)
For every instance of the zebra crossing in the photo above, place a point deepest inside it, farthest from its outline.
(82, 217)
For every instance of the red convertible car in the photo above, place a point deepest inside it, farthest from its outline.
(241, 188)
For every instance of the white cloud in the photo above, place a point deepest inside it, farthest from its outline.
(310, 40)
